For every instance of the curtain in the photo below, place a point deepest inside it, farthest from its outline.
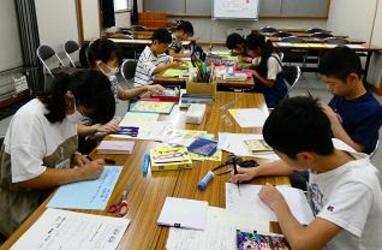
(108, 15)
(134, 13)
(30, 40)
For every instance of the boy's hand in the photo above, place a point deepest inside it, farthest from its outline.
(79, 160)
(272, 197)
(244, 174)
(155, 89)
(92, 170)
(333, 116)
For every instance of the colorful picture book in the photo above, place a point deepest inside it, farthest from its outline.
(169, 158)
(115, 147)
(152, 107)
(252, 240)
(257, 145)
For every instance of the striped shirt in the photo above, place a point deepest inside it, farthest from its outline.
(146, 65)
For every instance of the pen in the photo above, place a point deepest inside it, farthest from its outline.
(146, 164)
(235, 171)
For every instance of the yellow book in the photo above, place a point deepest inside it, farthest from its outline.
(169, 158)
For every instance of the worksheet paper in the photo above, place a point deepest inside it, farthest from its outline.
(184, 213)
(220, 232)
(66, 230)
(249, 118)
(151, 131)
(245, 201)
(135, 119)
(92, 194)
(235, 143)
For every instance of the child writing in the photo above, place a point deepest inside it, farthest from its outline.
(153, 59)
(343, 190)
(40, 146)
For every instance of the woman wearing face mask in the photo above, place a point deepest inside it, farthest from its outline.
(40, 146)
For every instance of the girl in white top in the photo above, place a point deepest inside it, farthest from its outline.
(40, 147)
(267, 73)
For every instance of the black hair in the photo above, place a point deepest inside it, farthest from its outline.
(185, 26)
(233, 40)
(255, 41)
(90, 88)
(161, 36)
(101, 49)
(299, 124)
(339, 63)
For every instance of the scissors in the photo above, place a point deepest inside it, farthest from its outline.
(120, 209)
(231, 163)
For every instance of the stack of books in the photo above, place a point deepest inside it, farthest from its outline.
(169, 158)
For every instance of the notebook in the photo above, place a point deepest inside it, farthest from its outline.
(115, 147)
(184, 213)
(257, 145)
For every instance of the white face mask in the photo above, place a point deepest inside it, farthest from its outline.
(76, 117)
(112, 71)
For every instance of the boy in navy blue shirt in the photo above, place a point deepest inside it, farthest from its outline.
(354, 113)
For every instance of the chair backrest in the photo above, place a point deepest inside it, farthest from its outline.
(292, 39)
(44, 53)
(317, 30)
(292, 75)
(128, 69)
(321, 35)
(69, 48)
(282, 34)
(336, 40)
(268, 30)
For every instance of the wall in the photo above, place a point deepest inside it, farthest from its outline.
(57, 22)
(91, 19)
(352, 17)
(10, 52)
(376, 40)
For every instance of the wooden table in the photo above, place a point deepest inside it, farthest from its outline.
(147, 194)
(221, 83)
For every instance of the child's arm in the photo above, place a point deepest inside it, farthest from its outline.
(338, 131)
(275, 168)
(262, 80)
(84, 130)
(53, 177)
(164, 66)
(314, 236)
(126, 94)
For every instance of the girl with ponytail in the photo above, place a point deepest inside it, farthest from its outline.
(268, 74)
(40, 146)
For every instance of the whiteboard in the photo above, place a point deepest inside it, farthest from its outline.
(235, 9)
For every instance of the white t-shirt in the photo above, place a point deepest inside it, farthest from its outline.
(31, 137)
(350, 197)
(273, 66)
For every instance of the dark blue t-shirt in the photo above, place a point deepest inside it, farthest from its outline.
(361, 118)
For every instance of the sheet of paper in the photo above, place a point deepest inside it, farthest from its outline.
(249, 118)
(152, 131)
(92, 194)
(66, 230)
(219, 234)
(152, 107)
(247, 202)
(137, 119)
(183, 137)
(235, 143)
(186, 213)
